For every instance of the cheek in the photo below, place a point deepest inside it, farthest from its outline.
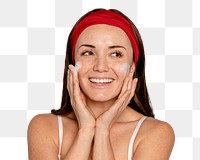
(78, 65)
(124, 68)
(82, 67)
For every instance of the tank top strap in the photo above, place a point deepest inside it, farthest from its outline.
(60, 133)
(130, 148)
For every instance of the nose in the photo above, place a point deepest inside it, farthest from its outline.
(101, 65)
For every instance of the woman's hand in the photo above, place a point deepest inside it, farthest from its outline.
(83, 114)
(106, 120)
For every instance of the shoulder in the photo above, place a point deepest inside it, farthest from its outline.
(156, 140)
(155, 130)
(160, 130)
(155, 126)
(42, 118)
(42, 122)
(46, 125)
(42, 133)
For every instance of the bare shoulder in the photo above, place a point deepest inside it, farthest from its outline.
(42, 124)
(42, 120)
(156, 140)
(42, 137)
(155, 127)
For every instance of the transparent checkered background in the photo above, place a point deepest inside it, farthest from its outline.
(33, 37)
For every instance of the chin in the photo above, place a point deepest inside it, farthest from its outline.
(101, 97)
(101, 93)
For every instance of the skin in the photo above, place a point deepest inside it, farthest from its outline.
(102, 123)
(95, 61)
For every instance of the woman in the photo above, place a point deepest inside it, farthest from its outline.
(105, 112)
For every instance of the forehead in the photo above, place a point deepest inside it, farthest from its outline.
(103, 32)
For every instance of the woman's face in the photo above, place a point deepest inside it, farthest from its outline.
(103, 56)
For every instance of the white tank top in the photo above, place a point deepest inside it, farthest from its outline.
(130, 148)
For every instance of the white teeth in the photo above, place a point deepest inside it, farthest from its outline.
(94, 80)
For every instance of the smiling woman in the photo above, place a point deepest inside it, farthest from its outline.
(105, 62)
(105, 111)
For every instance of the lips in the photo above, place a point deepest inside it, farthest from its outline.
(101, 80)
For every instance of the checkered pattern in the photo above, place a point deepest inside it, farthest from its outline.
(33, 36)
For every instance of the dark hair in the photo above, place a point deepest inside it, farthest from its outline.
(140, 102)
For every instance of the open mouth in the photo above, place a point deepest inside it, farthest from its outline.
(101, 81)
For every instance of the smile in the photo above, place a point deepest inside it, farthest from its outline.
(100, 81)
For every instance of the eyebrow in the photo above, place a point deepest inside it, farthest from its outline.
(111, 47)
(87, 45)
(117, 46)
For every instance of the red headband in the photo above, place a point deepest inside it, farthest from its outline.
(105, 17)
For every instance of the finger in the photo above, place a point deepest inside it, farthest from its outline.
(71, 82)
(124, 86)
(127, 81)
(71, 87)
(68, 80)
(83, 97)
(74, 70)
(126, 100)
(119, 106)
(122, 100)
(133, 88)
(125, 103)
(79, 97)
(76, 89)
(132, 70)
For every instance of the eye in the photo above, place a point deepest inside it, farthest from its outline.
(86, 53)
(116, 54)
